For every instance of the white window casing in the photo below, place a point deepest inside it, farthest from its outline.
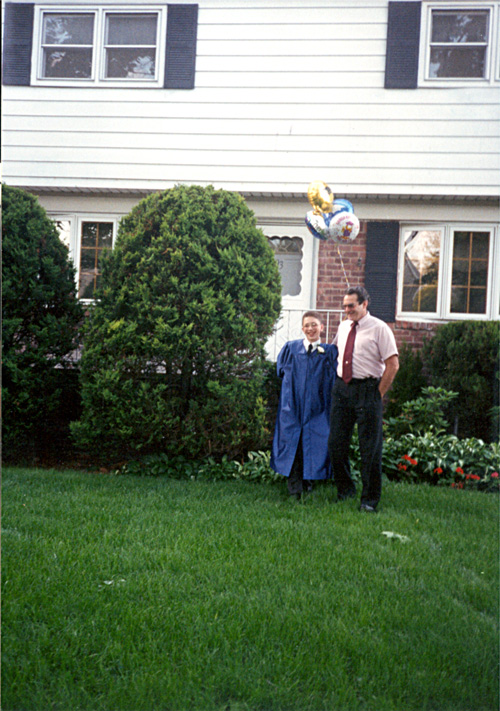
(423, 291)
(487, 13)
(138, 61)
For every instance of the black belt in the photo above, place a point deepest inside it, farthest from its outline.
(361, 380)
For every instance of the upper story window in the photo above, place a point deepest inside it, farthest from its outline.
(442, 43)
(448, 271)
(460, 43)
(100, 46)
(147, 46)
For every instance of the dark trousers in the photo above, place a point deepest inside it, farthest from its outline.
(358, 402)
(296, 483)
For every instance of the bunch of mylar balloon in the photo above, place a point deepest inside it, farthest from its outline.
(330, 219)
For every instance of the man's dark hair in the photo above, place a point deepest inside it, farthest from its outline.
(360, 292)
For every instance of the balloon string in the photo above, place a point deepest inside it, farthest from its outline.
(343, 268)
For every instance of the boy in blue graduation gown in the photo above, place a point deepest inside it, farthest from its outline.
(300, 445)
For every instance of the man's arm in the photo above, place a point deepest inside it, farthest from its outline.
(391, 368)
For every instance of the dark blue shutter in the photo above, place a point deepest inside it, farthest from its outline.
(403, 45)
(182, 28)
(381, 271)
(17, 43)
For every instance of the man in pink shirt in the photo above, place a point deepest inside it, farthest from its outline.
(367, 364)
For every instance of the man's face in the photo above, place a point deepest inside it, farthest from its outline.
(312, 328)
(353, 309)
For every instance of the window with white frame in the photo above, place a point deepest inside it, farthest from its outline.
(460, 43)
(288, 253)
(110, 46)
(449, 271)
(87, 238)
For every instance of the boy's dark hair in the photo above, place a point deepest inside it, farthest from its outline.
(360, 292)
(312, 314)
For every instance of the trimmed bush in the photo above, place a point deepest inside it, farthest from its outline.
(173, 357)
(463, 356)
(408, 383)
(40, 319)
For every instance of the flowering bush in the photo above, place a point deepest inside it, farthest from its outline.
(443, 460)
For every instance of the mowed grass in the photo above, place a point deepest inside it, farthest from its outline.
(126, 594)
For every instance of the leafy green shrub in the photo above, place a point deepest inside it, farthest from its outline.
(40, 319)
(425, 414)
(174, 346)
(463, 356)
(442, 459)
(409, 381)
(254, 468)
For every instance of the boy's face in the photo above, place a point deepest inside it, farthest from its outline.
(312, 328)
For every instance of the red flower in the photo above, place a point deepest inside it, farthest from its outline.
(438, 470)
(402, 466)
(459, 470)
(412, 461)
(494, 475)
(475, 477)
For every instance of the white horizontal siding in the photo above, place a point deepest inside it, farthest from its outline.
(286, 92)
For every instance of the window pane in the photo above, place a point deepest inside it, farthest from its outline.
(105, 234)
(469, 278)
(464, 301)
(460, 26)
(68, 29)
(68, 63)
(130, 64)
(64, 229)
(96, 239)
(468, 62)
(480, 245)
(421, 269)
(131, 29)
(89, 234)
(87, 259)
(87, 285)
(288, 255)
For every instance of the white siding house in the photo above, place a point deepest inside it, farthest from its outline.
(395, 105)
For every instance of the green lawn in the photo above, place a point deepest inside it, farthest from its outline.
(127, 594)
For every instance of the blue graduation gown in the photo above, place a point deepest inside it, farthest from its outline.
(304, 408)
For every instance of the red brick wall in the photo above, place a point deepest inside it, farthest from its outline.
(332, 286)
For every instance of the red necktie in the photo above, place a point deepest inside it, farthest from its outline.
(349, 347)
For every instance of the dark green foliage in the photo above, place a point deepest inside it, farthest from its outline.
(424, 414)
(409, 381)
(255, 468)
(463, 356)
(173, 352)
(40, 318)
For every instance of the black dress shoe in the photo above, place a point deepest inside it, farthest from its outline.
(350, 494)
(367, 508)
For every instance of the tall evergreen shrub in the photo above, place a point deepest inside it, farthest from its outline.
(174, 346)
(40, 318)
(408, 383)
(463, 356)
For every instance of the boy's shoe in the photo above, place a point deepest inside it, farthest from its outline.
(349, 494)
